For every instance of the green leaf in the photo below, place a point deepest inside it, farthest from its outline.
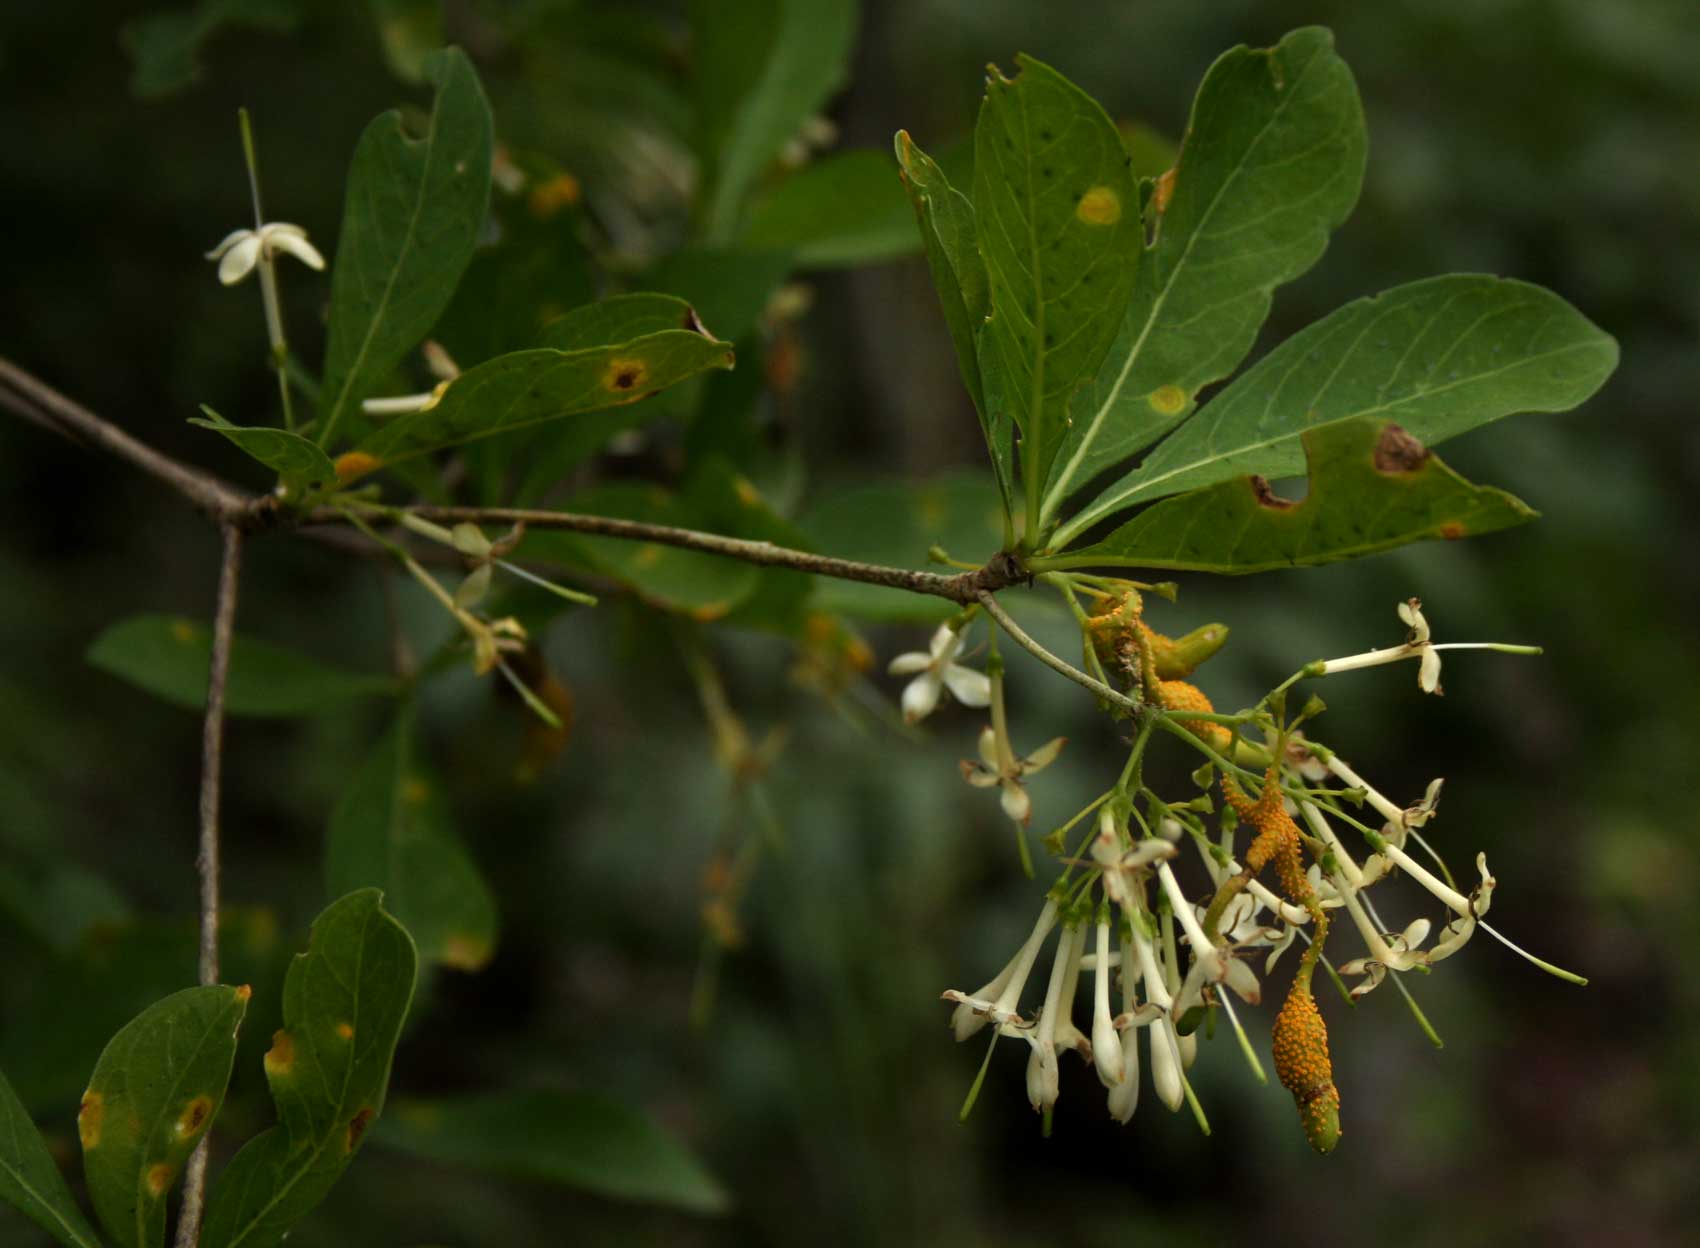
(344, 1001)
(166, 46)
(578, 1139)
(764, 67)
(526, 388)
(30, 1180)
(1440, 356)
(412, 215)
(1273, 160)
(844, 209)
(1058, 217)
(1372, 487)
(729, 287)
(618, 319)
(154, 1092)
(392, 830)
(301, 465)
(897, 523)
(726, 501)
(946, 221)
(703, 586)
(408, 31)
(169, 656)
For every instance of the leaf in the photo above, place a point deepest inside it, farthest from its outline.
(1372, 487)
(726, 501)
(1273, 160)
(620, 318)
(1058, 218)
(166, 46)
(408, 31)
(1440, 356)
(946, 221)
(579, 1139)
(412, 215)
(301, 465)
(392, 830)
(764, 67)
(700, 585)
(525, 388)
(729, 287)
(30, 1180)
(344, 1001)
(169, 657)
(844, 209)
(154, 1093)
(896, 523)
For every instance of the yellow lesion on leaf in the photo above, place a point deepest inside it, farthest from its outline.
(357, 1127)
(345, 1030)
(194, 1116)
(548, 198)
(465, 952)
(625, 376)
(183, 631)
(89, 1117)
(1163, 191)
(158, 1178)
(280, 1058)
(415, 791)
(1168, 400)
(352, 465)
(1099, 206)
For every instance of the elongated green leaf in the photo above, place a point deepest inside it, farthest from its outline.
(764, 67)
(897, 523)
(1440, 356)
(843, 209)
(525, 388)
(301, 465)
(620, 319)
(30, 1181)
(412, 216)
(169, 656)
(946, 222)
(1273, 159)
(344, 1002)
(1372, 487)
(392, 831)
(578, 1139)
(1058, 218)
(154, 1092)
(701, 585)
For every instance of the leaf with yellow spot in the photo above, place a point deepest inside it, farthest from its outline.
(153, 1094)
(1272, 161)
(30, 1180)
(1372, 487)
(392, 830)
(358, 972)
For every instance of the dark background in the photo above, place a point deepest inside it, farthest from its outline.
(1551, 140)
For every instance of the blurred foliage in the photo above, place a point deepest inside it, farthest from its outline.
(822, 1094)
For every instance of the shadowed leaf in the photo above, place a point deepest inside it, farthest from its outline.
(1372, 487)
(300, 464)
(153, 1095)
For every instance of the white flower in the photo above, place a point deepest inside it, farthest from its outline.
(1106, 1042)
(935, 670)
(999, 766)
(241, 250)
(1049, 1035)
(1417, 646)
(996, 1001)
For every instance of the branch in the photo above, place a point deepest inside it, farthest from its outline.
(1019, 636)
(206, 861)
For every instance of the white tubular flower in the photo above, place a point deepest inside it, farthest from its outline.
(973, 1011)
(999, 766)
(1042, 1082)
(242, 250)
(1106, 1041)
(1456, 934)
(936, 670)
(1165, 1049)
(1398, 952)
(1417, 646)
(1209, 964)
(1121, 866)
(1124, 1096)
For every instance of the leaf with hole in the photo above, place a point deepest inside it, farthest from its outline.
(154, 1093)
(412, 215)
(392, 830)
(1273, 160)
(344, 1002)
(169, 657)
(1372, 486)
(581, 1140)
(30, 1180)
(1441, 357)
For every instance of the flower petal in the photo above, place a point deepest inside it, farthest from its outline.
(1428, 673)
(1044, 756)
(988, 746)
(294, 240)
(910, 663)
(230, 240)
(239, 261)
(1016, 804)
(969, 687)
(921, 696)
(946, 643)
(978, 776)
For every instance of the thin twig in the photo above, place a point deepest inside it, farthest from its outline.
(1019, 636)
(206, 861)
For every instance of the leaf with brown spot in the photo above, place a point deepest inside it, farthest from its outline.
(1372, 487)
(360, 964)
(154, 1092)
